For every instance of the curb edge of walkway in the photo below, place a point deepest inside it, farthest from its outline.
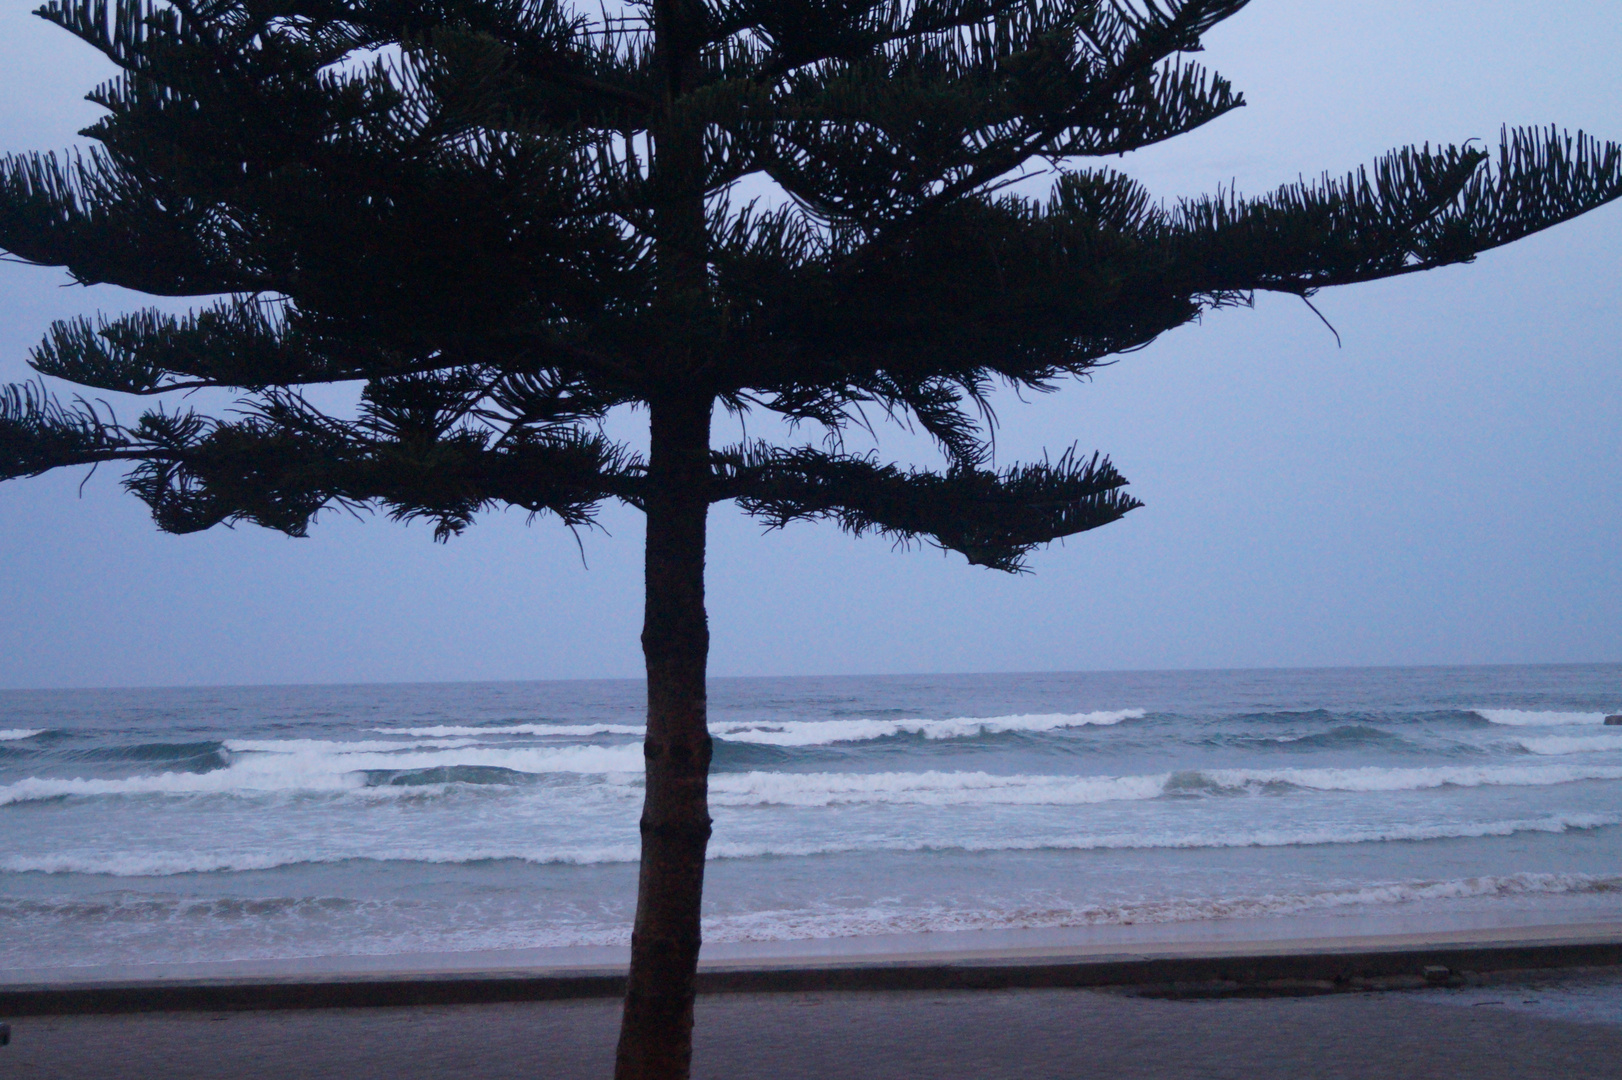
(1162, 976)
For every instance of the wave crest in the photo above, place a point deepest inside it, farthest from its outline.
(875, 920)
(128, 864)
(1532, 718)
(1572, 744)
(441, 731)
(828, 732)
(804, 732)
(980, 788)
(300, 766)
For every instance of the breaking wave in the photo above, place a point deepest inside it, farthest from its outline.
(827, 732)
(1572, 744)
(315, 766)
(960, 788)
(806, 732)
(829, 922)
(297, 766)
(440, 731)
(1342, 737)
(338, 746)
(1527, 718)
(15, 734)
(126, 864)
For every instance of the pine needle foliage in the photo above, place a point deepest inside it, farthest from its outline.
(463, 206)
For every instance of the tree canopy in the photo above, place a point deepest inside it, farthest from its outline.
(475, 208)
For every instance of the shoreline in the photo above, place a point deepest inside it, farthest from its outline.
(1457, 922)
(1230, 966)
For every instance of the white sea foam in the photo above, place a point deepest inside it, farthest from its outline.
(13, 734)
(1379, 778)
(258, 767)
(1572, 744)
(163, 864)
(926, 789)
(834, 922)
(144, 864)
(318, 767)
(1261, 838)
(386, 926)
(338, 746)
(806, 732)
(825, 732)
(440, 731)
(168, 864)
(980, 788)
(219, 781)
(1526, 718)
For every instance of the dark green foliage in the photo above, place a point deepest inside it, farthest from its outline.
(37, 432)
(989, 517)
(461, 206)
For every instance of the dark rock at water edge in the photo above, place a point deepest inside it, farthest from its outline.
(1614, 721)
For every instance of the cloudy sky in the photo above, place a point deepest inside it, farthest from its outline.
(1446, 487)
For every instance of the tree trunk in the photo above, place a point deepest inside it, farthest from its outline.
(656, 1035)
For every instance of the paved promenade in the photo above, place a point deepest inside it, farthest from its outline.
(1567, 1029)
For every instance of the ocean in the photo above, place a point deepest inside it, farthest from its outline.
(260, 823)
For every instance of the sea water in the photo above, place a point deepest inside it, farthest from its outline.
(267, 822)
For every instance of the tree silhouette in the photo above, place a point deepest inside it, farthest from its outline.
(505, 218)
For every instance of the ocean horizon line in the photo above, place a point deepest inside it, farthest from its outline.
(599, 679)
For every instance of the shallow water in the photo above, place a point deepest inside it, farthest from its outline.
(240, 823)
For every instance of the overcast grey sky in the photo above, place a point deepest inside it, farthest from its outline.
(1445, 488)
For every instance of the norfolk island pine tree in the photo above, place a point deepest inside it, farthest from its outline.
(505, 218)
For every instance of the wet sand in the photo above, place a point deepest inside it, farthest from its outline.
(1284, 937)
(1567, 1027)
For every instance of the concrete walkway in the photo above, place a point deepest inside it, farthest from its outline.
(1570, 1029)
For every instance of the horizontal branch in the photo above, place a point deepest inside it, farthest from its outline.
(285, 462)
(992, 518)
(39, 433)
(1415, 209)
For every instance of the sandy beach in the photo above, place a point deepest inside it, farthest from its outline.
(1321, 955)
(1567, 1027)
(1378, 932)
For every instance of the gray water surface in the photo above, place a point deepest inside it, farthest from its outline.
(153, 826)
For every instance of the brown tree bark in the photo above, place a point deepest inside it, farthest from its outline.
(656, 1033)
